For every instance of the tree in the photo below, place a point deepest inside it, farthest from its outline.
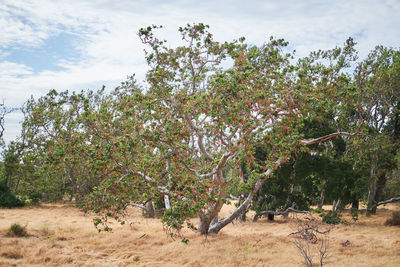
(55, 142)
(208, 105)
(377, 80)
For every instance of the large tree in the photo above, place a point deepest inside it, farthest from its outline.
(207, 105)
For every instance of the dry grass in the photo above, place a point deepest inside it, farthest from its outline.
(61, 235)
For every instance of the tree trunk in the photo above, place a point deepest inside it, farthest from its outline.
(246, 203)
(149, 211)
(204, 224)
(379, 190)
(336, 206)
(371, 194)
(321, 199)
(271, 217)
(166, 202)
(242, 216)
(355, 205)
(214, 220)
(372, 186)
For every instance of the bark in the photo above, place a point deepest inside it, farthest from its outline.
(214, 220)
(321, 199)
(372, 186)
(326, 137)
(336, 205)
(379, 190)
(246, 203)
(393, 199)
(355, 205)
(242, 216)
(166, 202)
(371, 194)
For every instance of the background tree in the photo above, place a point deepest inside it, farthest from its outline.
(377, 80)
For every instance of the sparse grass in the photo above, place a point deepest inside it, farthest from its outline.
(17, 230)
(12, 255)
(76, 242)
(395, 219)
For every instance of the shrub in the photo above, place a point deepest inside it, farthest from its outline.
(7, 198)
(17, 230)
(395, 220)
(331, 217)
(354, 214)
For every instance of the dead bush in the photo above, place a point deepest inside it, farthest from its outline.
(395, 220)
(311, 241)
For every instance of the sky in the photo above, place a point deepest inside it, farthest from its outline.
(85, 44)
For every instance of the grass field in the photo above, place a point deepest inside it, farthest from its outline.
(61, 235)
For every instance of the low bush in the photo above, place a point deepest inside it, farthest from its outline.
(331, 217)
(395, 220)
(17, 230)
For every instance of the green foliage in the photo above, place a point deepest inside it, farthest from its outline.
(318, 210)
(331, 217)
(7, 198)
(354, 214)
(17, 230)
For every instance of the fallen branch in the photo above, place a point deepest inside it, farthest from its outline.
(393, 199)
(285, 212)
(309, 229)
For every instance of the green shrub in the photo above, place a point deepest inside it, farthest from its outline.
(318, 210)
(331, 217)
(354, 214)
(17, 230)
(395, 220)
(7, 198)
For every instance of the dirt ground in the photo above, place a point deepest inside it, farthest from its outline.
(61, 235)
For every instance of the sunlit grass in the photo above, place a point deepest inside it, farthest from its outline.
(64, 236)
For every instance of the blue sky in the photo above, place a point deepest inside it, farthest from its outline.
(81, 44)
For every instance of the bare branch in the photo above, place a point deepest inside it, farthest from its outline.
(393, 199)
(200, 137)
(137, 205)
(218, 226)
(326, 137)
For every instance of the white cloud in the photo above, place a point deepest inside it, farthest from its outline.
(110, 49)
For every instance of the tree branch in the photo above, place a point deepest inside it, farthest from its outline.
(326, 137)
(200, 136)
(285, 212)
(393, 199)
(137, 205)
(215, 228)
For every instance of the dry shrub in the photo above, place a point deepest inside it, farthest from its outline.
(311, 241)
(395, 220)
